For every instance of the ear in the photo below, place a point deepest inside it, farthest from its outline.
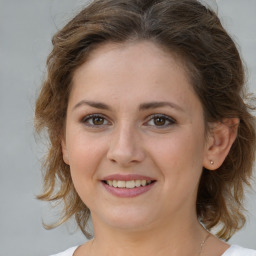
(64, 149)
(220, 139)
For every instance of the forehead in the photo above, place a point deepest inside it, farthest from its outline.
(135, 56)
(140, 47)
(132, 71)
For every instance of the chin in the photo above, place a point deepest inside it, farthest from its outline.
(127, 219)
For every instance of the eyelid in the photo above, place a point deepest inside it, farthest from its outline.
(171, 120)
(90, 116)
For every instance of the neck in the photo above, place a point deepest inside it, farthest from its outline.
(180, 238)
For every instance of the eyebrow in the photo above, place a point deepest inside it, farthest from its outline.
(143, 106)
(93, 104)
(152, 105)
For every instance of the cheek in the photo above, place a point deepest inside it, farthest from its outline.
(85, 154)
(85, 157)
(179, 157)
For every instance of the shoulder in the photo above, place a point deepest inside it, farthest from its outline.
(68, 252)
(235, 250)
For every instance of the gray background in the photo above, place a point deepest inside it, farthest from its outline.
(26, 28)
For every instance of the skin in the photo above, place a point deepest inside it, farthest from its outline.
(126, 139)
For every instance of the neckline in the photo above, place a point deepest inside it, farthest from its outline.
(73, 250)
(230, 249)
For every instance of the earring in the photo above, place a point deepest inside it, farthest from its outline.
(211, 162)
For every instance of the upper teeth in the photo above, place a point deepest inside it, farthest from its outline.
(128, 184)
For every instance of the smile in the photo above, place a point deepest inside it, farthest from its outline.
(128, 184)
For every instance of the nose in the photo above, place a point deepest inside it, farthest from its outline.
(126, 147)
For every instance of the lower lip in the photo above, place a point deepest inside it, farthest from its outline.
(128, 192)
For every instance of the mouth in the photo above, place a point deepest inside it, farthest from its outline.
(129, 184)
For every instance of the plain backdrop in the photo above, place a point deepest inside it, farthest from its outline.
(26, 28)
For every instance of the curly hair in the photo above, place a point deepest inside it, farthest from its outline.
(192, 32)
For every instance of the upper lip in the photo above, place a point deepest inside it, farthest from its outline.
(127, 177)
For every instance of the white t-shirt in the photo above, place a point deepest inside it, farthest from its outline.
(68, 252)
(234, 250)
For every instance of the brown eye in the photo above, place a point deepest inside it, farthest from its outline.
(159, 121)
(95, 121)
(98, 120)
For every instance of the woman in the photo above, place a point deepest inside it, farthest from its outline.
(150, 135)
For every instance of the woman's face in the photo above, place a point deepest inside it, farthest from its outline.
(135, 136)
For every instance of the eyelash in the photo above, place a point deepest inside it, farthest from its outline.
(89, 118)
(86, 120)
(165, 118)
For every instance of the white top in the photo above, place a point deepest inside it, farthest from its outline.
(68, 252)
(234, 250)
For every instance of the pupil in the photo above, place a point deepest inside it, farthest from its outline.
(98, 120)
(159, 121)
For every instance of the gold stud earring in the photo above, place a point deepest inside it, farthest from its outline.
(211, 162)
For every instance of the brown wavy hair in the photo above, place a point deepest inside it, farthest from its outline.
(193, 33)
